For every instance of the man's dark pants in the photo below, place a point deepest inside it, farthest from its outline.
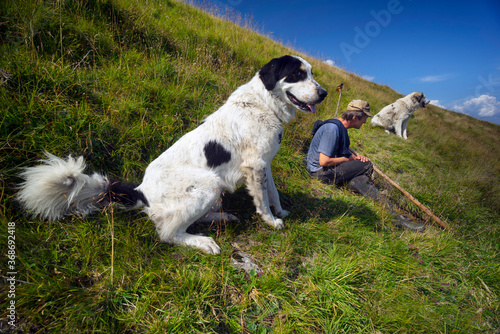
(344, 172)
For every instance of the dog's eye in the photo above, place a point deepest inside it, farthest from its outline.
(296, 76)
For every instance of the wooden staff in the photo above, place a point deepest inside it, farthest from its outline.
(410, 197)
(339, 89)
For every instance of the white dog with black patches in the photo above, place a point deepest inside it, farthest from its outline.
(395, 117)
(233, 145)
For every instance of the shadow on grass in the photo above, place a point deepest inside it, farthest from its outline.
(303, 207)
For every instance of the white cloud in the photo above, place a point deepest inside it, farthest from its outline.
(368, 77)
(484, 106)
(435, 78)
(330, 62)
(437, 104)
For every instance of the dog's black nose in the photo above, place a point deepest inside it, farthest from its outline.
(322, 93)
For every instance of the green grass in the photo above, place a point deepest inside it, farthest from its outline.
(120, 81)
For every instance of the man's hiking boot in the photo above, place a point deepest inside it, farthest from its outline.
(364, 186)
(405, 223)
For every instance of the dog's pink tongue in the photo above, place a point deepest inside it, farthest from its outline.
(312, 107)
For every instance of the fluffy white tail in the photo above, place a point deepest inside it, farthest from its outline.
(375, 121)
(58, 188)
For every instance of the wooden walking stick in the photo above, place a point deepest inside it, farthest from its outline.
(410, 197)
(339, 89)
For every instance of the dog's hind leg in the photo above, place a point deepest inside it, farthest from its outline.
(375, 121)
(217, 215)
(172, 223)
(185, 202)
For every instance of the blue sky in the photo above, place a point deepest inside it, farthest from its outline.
(450, 50)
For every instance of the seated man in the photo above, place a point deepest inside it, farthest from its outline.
(330, 160)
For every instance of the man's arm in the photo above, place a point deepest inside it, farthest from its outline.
(326, 161)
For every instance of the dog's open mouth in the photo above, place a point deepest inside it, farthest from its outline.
(301, 105)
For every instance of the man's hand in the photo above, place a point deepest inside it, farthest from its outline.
(359, 157)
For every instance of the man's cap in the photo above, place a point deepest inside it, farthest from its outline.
(360, 105)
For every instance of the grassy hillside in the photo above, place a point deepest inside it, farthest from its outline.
(119, 81)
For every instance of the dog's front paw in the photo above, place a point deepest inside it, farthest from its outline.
(278, 224)
(283, 213)
(273, 221)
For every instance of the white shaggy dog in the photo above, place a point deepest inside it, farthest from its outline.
(395, 117)
(233, 145)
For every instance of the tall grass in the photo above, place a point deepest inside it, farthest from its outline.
(119, 81)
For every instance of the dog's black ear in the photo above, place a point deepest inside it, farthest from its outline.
(276, 70)
(269, 74)
(416, 97)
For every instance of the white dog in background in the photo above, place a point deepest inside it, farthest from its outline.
(235, 144)
(395, 117)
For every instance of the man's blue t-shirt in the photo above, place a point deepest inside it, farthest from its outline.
(327, 140)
